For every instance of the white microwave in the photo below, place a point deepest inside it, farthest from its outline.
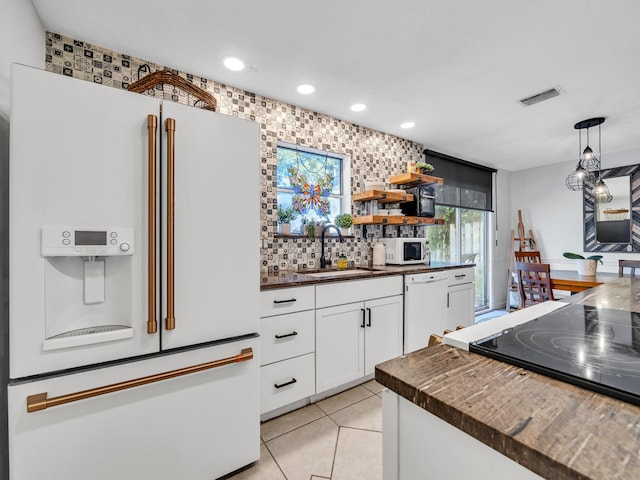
(406, 251)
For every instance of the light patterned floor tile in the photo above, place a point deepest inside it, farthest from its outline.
(344, 399)
(373, 386)
(358, 455)
(289, 421)
(366, 414)
(307, 450)
(264, 469)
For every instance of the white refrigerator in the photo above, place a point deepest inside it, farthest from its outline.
(134, 284)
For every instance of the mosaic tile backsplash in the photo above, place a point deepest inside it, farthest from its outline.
(374, 155)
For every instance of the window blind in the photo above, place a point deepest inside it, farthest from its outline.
(466, 184)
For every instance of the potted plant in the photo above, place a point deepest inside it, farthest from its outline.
(311, 229)
(285, 216)
(344, 222)
(424, 168)
(586, 266)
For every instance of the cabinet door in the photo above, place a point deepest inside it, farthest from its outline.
(217, 277)
(383, 332)
(78, 160)
(460, 306)
(339, 345)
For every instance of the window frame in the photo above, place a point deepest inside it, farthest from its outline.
(345, 186)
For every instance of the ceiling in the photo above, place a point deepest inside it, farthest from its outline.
(457, 68)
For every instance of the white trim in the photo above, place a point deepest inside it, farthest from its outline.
(346, 169)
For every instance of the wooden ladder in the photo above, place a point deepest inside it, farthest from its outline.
(520, 243)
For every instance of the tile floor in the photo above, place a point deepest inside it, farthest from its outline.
(337, 438)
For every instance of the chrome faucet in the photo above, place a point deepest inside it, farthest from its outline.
(323, 261)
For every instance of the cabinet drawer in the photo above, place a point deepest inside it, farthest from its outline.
(286, 300)
(286, 336)
(339, 293)
(285, 382)
(458, 276)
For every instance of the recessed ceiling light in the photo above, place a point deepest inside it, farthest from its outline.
(358, 107)
(407, 125)
(233, 63)
(306, 89)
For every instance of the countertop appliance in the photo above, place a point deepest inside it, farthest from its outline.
(423, 204)
(406, 251)
(595, 348)
(425, 308)
(129, 355)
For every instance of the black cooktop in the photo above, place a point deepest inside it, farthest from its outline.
(598, 349)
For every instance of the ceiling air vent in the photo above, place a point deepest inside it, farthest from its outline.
(541, 97)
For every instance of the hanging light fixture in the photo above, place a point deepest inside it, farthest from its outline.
(600, 190)
(588, 162)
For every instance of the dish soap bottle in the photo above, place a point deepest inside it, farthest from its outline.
(342, 261)
(378, 253)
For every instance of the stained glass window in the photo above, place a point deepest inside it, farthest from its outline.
(311, 181)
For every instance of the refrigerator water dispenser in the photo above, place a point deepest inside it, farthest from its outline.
(88, 285)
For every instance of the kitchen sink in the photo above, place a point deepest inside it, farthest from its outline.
(338, 273)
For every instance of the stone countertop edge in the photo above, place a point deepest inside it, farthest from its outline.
(295, 278)
(553, 428)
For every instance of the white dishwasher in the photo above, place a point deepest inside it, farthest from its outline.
(425, 308)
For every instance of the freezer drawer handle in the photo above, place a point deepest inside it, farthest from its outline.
(152, 128)
(292, 334)
(290, 382)
(170, 322)
(285, 301)
(40, 401)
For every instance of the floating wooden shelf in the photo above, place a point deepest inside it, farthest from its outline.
(411, 179)
(382, 196)
(395, 220)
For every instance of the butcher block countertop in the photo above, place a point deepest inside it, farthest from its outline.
(296, 278)
(555, 429)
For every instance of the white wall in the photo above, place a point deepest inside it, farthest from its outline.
(554, 213)
(500, 240)
(21, 40)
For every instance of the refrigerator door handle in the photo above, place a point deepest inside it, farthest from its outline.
(152, 128)
(170, 322)
(39, 401)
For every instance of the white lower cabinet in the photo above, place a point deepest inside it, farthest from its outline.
(317, 338)
(287, 341)
(416, 445)
(285, 382)
(352, 338)
(461, 298)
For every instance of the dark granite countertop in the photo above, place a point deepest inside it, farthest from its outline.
(553, 428)
(290, 278)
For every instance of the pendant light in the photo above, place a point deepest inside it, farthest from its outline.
(575, 180)
(588, 162)
(600, 190)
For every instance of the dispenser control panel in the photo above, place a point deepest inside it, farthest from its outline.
(86, 242)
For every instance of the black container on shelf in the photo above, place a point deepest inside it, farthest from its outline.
(423, 204)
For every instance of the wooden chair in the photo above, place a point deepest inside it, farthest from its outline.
(631, 264)
(534, 283)
(528, 257)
